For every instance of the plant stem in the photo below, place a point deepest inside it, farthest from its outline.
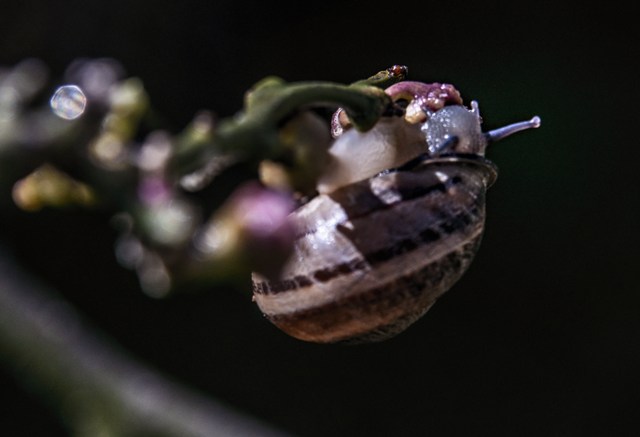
(255, 133)
(99, 389)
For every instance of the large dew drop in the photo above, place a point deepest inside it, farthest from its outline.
(68, 102)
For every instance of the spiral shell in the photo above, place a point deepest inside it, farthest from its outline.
(372, 257)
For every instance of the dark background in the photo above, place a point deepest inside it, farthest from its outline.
(541, 337)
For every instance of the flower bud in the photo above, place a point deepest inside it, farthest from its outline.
(251, 230)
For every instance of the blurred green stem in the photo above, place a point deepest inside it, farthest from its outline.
(99, 390)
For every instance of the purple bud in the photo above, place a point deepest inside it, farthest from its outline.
(432, 96)
(252, 228)
(153, 190)
(266, 230)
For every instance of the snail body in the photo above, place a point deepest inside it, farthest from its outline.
(372, 255)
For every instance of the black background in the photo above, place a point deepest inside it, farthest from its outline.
(540, 337)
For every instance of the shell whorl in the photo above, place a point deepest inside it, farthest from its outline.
(372, 257)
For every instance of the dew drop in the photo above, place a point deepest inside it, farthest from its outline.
(68, 102)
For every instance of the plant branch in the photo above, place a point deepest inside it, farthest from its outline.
(99, 389)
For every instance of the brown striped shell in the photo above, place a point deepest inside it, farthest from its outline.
(372, 257)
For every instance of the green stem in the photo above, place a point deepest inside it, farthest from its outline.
(99, 388)
(255, 133)
(363, 104)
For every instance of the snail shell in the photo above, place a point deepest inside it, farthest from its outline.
(370, 258)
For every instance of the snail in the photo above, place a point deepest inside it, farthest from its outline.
(398, 218)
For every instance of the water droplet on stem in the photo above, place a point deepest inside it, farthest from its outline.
(68, 102)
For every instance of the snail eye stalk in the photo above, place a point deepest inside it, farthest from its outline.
(505, 131)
